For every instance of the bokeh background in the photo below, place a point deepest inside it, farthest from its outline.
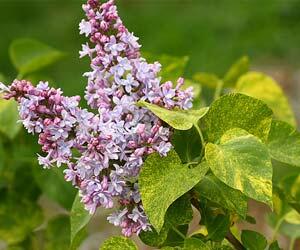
(213, 33)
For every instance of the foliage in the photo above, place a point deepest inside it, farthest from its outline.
(79, 220)
(242, 137)
(169, 175)
(242, 162)
(118, 243)
(29, 56)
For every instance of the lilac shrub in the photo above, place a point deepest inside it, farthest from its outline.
(104, 149)
(118, 151)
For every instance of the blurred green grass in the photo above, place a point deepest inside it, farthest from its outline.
(212, 33)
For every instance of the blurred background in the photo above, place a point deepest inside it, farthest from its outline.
(212, 33)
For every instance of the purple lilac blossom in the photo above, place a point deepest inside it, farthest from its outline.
(113, 140)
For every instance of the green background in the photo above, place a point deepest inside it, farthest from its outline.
(213, 33)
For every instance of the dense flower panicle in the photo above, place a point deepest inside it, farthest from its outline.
(111, 144)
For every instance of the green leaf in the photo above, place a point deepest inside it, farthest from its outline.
(284, 143)
(242, 162)
(29, 55)
(206, 79)
(282, 170)
(274, 246)
(80, 217)
(170, 175)
(18, 219)
(178, 119)
(153, 238)
(281, 207)
(2, 155)
(218, 227)
(23, 182)
(263, 87)
(17, 176)
(215, 221)
(179, 213)
(236, 71)
(253, 240)
(187, 144)
(290, 186)
(286, 218)
(286, 188)
(2, 78)
(9, 117)
(292, 217)
(172, 67)
(222, 247)
(166, 237)
(174, 239)
(53, 184)
(238, 111)
(195, 244)
(118, 243)
(214, 190)
(58, 233)
(79, 238)
(32, 242)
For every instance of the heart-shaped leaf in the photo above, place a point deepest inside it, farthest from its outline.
(213, 189)
(242, 162)
(238, 111)
(284, 143)
(164, 180)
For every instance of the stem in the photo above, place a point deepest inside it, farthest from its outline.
(234, 241)
(218, 89)
(202, 139)
(178, 232)
(276, 229)
(292, 244)
(195, 203)
(192, 163)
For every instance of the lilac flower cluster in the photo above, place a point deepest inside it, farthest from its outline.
(111, 143)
